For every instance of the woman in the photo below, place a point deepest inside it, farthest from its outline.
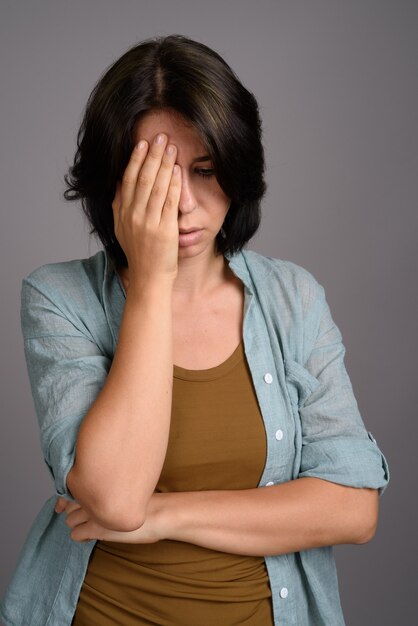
(175, 375)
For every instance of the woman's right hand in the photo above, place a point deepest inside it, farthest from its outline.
(145, 211)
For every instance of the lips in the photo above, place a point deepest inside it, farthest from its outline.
(189, 237)
(183, 231)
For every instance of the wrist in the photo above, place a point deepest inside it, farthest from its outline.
(136, 277)
(150, 292)
(155, 298)
(165, 514)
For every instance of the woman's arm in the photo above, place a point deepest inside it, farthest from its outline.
(289, 517)
(123, 438)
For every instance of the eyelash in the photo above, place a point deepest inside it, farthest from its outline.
(205, 173)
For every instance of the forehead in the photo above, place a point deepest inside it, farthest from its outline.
(178, 129)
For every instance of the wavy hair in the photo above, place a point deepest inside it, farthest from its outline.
(171, 72)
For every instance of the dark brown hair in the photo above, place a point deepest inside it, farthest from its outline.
(171, 72)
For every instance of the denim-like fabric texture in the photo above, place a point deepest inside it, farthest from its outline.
(70, 315)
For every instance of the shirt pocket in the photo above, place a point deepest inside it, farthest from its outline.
(300, 382)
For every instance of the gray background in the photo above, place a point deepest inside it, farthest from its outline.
(337, 87)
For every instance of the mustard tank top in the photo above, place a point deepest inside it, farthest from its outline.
(217, 440)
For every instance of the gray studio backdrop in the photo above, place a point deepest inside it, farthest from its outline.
(337, 87)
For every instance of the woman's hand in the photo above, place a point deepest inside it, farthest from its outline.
(84, 528)
(145, 211)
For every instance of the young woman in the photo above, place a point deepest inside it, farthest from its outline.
(196, 415)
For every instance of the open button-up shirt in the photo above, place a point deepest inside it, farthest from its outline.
(71, 313)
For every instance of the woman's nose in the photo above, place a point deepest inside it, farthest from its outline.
(187, 200)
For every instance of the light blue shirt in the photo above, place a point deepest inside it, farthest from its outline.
(71, 312)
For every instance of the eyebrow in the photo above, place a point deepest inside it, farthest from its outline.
(201, 158)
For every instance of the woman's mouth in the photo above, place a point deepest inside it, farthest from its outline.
(189, 237)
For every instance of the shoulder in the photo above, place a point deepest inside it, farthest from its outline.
(70, 290)
(66, 284)
(292, 300)
(290, 278)
(68, 276)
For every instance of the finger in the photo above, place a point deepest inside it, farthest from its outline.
(116, 202)
(60, 505)
(130, 175)
(149, 171)
(169, 213)
(160, 189)
(85, 532)
(76, 517)
(71, 506)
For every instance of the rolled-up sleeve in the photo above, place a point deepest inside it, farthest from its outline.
(66, 372)
(336, 445)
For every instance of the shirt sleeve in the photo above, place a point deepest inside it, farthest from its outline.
(335, 443)
(66, 371)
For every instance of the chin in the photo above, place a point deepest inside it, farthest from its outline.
(197, 249)
(189, 251)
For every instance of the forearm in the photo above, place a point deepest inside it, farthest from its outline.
(293, 516)
(123, 439)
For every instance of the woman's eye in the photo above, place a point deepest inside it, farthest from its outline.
(205, 173)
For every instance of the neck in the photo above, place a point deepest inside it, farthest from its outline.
(197, 276)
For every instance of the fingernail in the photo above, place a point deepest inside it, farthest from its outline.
(176, 169)
(159, 138)
(141, 144)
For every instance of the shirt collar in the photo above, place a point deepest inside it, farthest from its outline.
(113, 293)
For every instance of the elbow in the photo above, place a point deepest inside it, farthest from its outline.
(367, 525)
(366, 532)
(113, 515)
(111, 512)
(119, 520)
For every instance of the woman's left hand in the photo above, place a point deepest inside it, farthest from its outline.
(84, 528)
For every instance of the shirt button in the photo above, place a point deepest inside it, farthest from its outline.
(269, 484)
(268, 378)
(283, 592)
(279, 434)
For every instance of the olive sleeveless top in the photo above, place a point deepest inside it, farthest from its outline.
(217, 440)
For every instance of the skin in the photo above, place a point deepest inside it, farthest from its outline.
(151, 204)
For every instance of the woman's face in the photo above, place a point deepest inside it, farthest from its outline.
(203, 205)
